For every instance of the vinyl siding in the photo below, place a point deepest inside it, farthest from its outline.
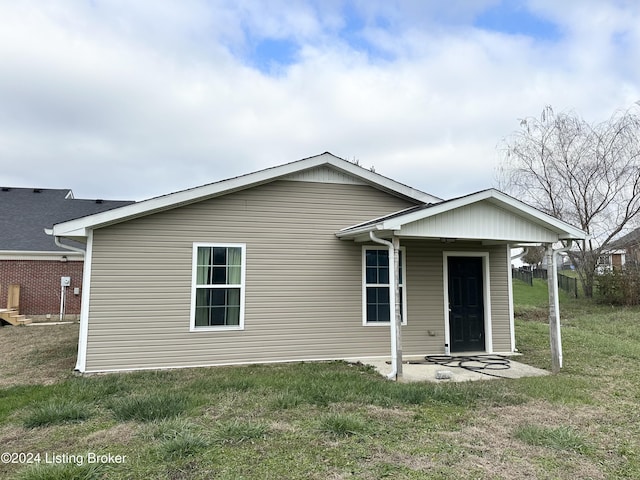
(425, 292)
(303, 286)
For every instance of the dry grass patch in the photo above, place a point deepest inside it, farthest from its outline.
(121, 433)
(492, 446)
(40, 355)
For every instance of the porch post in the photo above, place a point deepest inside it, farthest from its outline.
(554, 311)
(396, 310)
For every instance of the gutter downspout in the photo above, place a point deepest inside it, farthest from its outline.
(56, 240)
(396, 352)
(86, 273)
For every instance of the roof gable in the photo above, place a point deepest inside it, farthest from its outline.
(488, 214)
(478, 221)
(320, 168)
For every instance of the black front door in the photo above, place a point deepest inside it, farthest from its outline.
(466, 305)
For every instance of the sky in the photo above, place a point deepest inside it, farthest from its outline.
(127, 100)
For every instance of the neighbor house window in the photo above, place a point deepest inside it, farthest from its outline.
(218, 286)
(376, 274)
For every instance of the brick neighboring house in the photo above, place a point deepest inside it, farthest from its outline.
(31, 259)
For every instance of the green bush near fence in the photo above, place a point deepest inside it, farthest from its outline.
(620, 287)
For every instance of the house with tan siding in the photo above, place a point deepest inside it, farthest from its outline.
(317, 259)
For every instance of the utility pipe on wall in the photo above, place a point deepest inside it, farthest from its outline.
(396, 349)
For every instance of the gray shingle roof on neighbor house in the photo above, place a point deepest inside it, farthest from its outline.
(26, 212)
(631, 239)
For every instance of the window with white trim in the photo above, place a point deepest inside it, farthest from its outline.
(376, 291)
(217, 301)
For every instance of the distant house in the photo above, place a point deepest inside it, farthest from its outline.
(621, 252)
(31, 259)
(296, 262)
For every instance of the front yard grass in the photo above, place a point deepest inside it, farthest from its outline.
(331, 420)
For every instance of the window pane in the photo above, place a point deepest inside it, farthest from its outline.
(202, 316)
(234, 256)
(219, 255)
(218, 297)
(372, 296)
(383, 258)
(383, 295)
(371, 257)
(383, 274)
(383, 312)
(372, 313)
(233, 275)
(203, 262)
(217, 306)
(233, 297)
(233, 315)
(219, 276)
(217, 316)
(372, 275)
(378, 304)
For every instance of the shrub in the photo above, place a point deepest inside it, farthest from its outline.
(620, 287)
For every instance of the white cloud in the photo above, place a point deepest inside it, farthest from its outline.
(133, 99)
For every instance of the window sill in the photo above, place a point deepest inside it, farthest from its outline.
(216, 329)
(381, 324)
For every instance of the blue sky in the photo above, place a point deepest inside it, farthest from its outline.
(118, 99)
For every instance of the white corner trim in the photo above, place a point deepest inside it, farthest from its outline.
(486, 287)
(83, 337)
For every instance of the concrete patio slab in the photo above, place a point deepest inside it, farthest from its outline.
(459, 369)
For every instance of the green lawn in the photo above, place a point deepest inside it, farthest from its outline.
(331, 420)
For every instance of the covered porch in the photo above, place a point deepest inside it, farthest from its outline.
(474, 236)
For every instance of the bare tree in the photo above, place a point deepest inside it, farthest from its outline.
(587, 175)
(533, 256)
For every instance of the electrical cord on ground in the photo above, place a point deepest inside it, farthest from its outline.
(472, 363)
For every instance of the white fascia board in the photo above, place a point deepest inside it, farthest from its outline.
(379, 180)
(500, 199)
(36, 255)
(79, 227)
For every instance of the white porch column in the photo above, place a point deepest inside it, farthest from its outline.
(555, 338)
(397, 318)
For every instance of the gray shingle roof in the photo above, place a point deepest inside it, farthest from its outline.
(26, 212)
(629, 240)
